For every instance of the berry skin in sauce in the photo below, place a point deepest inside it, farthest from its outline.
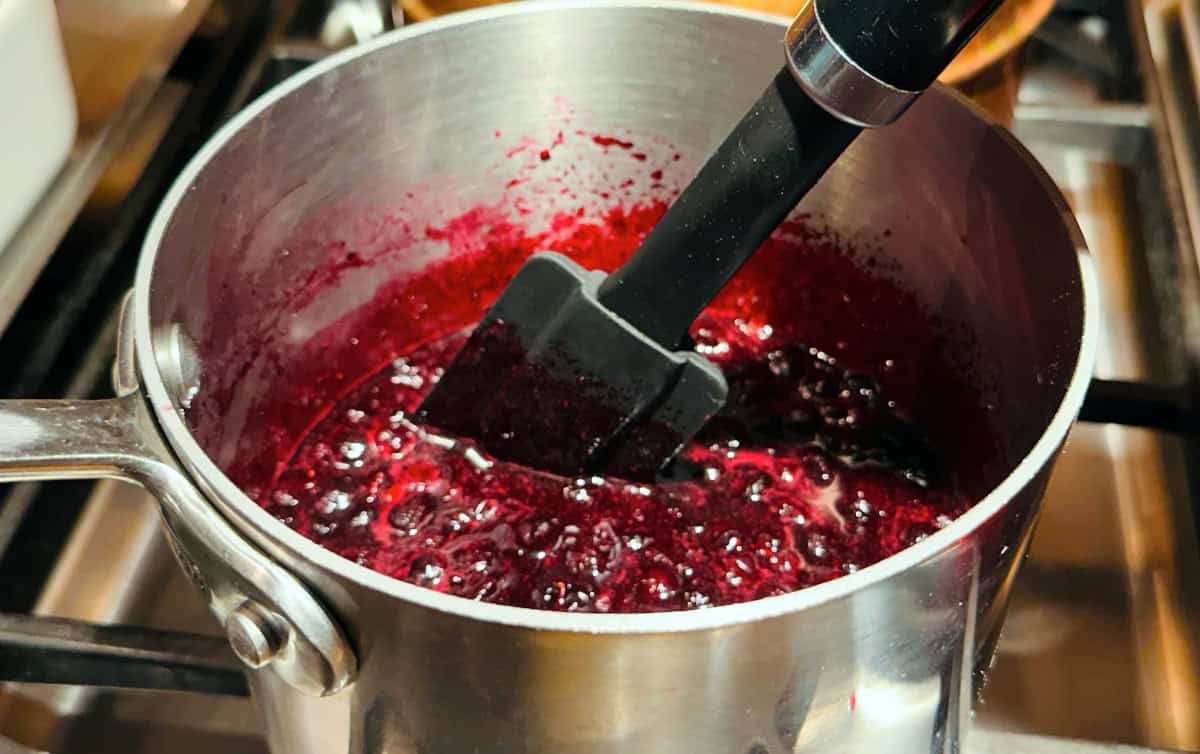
(811, 472)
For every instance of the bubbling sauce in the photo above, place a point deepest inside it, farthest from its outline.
(811, 471)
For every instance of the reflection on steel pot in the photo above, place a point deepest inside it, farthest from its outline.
(349, 660)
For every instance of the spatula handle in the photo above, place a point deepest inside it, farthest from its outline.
(745, 190)
(850, 64)
(866, 61)
(905, 43)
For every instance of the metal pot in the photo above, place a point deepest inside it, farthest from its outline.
(345, 659)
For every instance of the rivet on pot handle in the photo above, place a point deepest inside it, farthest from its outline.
(270, 617)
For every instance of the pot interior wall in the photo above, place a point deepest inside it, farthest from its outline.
(282, 261)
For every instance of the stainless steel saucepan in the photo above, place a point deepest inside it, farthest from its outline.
(346, 660)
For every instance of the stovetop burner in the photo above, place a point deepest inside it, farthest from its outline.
(1102, 643)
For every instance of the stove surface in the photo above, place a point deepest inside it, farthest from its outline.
(1101, 649)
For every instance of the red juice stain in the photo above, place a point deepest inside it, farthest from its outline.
(611, 141)
(812, 470)
(656, 175)
(639, 156)
(544, 155)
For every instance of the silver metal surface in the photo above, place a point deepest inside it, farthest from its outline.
(115, 556)
(118, 569)
(900, 637)
(177, 354)
(1072, 616)
(116, 439)
(1118, 606)
(254, 634)
(834, 80)
(1103, 131)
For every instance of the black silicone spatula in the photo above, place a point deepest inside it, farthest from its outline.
(574, 371)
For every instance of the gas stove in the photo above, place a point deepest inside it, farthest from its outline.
(1101, 648)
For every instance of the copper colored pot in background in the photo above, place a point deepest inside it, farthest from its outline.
(988, 70)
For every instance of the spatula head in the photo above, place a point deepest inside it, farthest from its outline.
(552, 379)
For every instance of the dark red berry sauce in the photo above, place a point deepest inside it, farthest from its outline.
(812, 471)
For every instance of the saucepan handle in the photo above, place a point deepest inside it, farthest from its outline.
(71, 439)
(270, 618)
(35, 649)
(84, 439)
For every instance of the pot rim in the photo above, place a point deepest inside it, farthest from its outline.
(256, 523)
